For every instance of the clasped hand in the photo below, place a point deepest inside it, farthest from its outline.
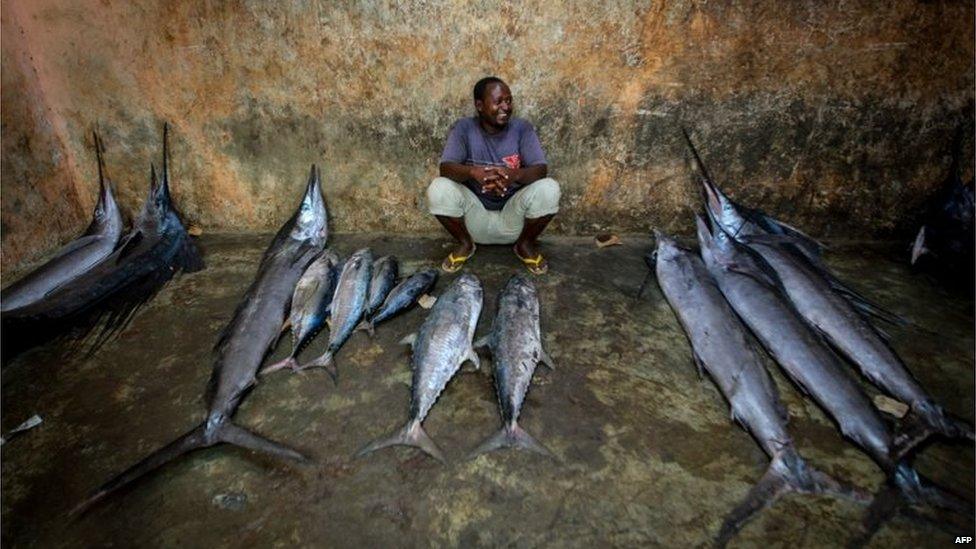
(494, 179)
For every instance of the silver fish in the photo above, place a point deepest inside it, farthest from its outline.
(348, 306)
(441, 345)
(386, 270)
(79, 255)
(310, 304)
(515, 343)
(244, 343)
(720, 346)
(402, 297)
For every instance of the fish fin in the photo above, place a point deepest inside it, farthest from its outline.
(239, 436)
(918, 490)
(289, 362)
(545, 359)
(409, 340)
(925, 420)
(129, 244)
(788, 472)
(482, 343)
(327, 361)
(366, 326)
(190, 441)
(643, 284)
(473, 358)
(76, 245)
(918, 247)
(514, 437)
(195, 439)
(867, 308)
(699, 365)
(412, 434)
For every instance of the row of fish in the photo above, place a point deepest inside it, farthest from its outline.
(102, 275)
(300, 283)
(759, 276)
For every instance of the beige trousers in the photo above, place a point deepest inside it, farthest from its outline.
(448, 198)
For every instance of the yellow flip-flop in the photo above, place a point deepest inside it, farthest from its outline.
(453, 264)
(536, 265)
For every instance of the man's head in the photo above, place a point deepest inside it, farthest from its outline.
(493, 101)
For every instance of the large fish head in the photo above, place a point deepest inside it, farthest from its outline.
(721, 209)
(469, 286)
(667, 248)
(521, 286)
(360, 259)
(311, 220)
(716, 244)
(107, 217)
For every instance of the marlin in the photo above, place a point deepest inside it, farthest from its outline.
(720, 347)
(441, 345)
(79, 255)
(244, 343)
(753, 290)
(150, 255)
(741, 222)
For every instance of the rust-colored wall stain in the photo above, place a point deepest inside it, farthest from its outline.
(837, 116)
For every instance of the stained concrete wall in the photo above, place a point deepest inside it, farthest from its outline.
(836, 115)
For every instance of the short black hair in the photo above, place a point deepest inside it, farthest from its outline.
(481, 85)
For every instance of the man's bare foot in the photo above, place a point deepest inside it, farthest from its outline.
(526, 249)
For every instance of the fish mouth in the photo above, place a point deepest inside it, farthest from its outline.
(713, 198)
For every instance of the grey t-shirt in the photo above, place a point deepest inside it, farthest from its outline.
(516, 146)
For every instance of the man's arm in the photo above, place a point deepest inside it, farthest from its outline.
(460, 172)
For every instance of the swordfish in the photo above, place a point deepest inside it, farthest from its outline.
(245, 342)
(720, 346)
(752, 289)
(79, 255)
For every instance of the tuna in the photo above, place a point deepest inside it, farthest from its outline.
(720, 347)
(515, 343)
(386, 270)
(753, 290)
(79, 255)
(740, 222)
(310, 304)
(150, 255)
(347, 309)
(441, 345)
(402, 297)
(244, 343)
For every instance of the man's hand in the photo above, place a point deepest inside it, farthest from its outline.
(483, 174)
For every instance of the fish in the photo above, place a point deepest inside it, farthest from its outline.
(311, 303)
(720, 347)
(386, 270)
(753, 290)
(347, 309)
(515, 343)
(741, 221)
(110, 293)
(243, 344)
(402, 297)
(440, 347)
(856, 339)
(81, 254)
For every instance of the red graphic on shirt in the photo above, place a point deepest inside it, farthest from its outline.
(514, 161)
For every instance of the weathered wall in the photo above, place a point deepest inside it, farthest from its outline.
(835, 115)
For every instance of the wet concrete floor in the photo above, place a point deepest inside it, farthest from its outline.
(648, 455)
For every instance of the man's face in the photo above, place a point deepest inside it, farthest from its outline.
(495, 107)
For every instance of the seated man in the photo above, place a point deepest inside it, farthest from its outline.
(493, 187)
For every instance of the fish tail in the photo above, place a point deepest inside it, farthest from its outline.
(367, 326)
(511, 437)
(412, 434)
(788, 472)
(919, 490)
(925, 420)
(202, 436)
(290, 362)
(327, 361)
